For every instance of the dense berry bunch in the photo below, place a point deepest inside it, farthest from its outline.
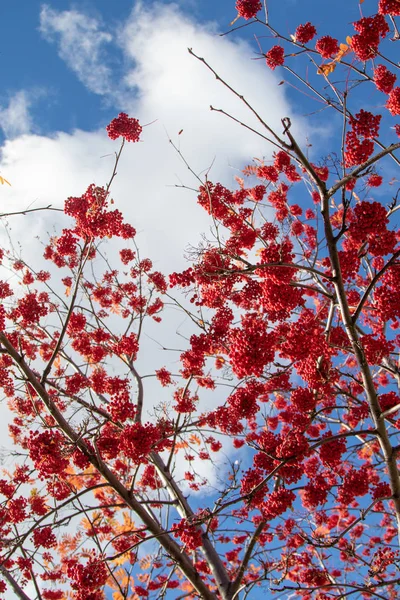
(275, 57)
(384, 79)
(248, 8)
(44, 537)
(189, 534)
(327, 46)
(305, 33)
(365, 124)
(85, 579)
(124, 126)
(357, 151)
(393, 103)
(389, 7)
(374, 180)
(370, 31)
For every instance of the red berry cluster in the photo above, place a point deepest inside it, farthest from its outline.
(370, 31)
(384, 79)
(327, 46)
(374, 180)
(248, 8)
(357, 151)
(366, 124)
(305, 33)
(389, 7)
(275, 57)
(124, 126)
(87, 579)
(44, 537)
(189, 533)
(393, 103)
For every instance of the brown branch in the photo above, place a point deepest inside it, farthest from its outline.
(361, 168)
(172, 548)
(372, 284)
(242, 98)
(17, 589)
(234, 588)
(351, 329)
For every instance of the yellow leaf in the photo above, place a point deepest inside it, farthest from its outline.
(348, 40)
(145, 562)
(321, 531)
(3, 181)
(121, 559)
(343, 47)
(326, 69)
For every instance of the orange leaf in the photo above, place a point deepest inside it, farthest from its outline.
(326, 69)
(321, 531)
(145, 562)
(194, 439)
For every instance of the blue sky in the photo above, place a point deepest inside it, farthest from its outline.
(59, 101)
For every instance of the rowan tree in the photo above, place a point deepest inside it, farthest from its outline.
(294, 304)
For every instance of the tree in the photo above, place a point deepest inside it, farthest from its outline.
(294, 303)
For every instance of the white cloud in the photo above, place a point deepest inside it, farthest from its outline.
(81, 44)
(15, 119)
(167, 87)
(162, 84)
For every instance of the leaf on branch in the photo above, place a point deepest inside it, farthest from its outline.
(344, 49)
(121, 559)
(3, 181)
(194, 439)
(145, 562)
(326, 69)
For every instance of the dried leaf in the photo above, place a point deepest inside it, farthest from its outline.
(3, 181)
(194, 439)
(326, 69)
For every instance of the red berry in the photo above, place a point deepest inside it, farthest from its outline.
(275, 57)
(327, 46)
(248, 8)
(305, 33)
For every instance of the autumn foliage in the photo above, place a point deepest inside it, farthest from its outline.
(294, 306)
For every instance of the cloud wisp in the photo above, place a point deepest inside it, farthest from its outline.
(15, 118)
(81, 44)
